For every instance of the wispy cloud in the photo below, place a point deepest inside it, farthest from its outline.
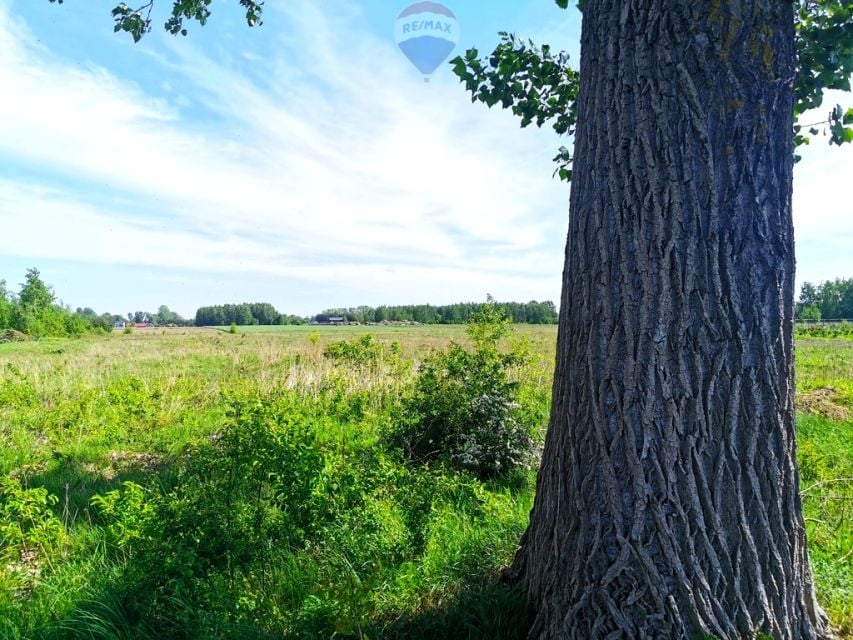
(355, 170)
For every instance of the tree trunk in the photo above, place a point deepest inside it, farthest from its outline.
(668, 498)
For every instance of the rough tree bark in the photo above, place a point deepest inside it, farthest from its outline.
(668, 498)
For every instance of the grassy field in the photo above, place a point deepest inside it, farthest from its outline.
(143, 494)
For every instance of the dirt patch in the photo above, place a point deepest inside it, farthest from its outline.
(10, 335)
(823, 402)
(24, 573)
(28, 470)
(123, 462)
(127, 461)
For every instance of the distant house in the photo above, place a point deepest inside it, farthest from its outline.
(328, 320)
(118, 324)
(143, 325)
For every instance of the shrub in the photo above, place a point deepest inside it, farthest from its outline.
(464, 409)
(810, 312)
(102, 324)
(126, 511)
(232, 328)
(237, 500)
(29, 532)
(836, 330)
(363, 351)
(26, 519)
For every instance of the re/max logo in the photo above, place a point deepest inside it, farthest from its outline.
(427, 25)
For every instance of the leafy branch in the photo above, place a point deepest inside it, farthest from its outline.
(824, 61)
(540, 87)
(534, 82)
(137, 20)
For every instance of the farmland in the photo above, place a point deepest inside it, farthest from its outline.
(193, 483)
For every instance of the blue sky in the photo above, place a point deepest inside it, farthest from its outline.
(304, 163)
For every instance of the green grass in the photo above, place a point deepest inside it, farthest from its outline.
(346, 328)
(831, 330)
(376, 547)
(826, 476)
(399, 555)
(825, 376)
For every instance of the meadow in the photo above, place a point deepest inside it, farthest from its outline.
(193, 483)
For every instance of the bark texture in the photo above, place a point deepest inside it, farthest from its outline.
(668, 498)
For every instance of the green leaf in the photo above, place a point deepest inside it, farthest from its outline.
(536, 84)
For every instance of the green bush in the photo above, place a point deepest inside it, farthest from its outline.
(101, 324)
(235, 502)
(127, 512)
(26, 520)
(29, 533)
(464, 409)
(363, 351)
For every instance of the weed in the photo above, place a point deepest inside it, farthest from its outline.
(362, 352)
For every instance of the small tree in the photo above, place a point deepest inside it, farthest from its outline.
(35, 295)
(5, 307)
(810, 312)
(465, 407)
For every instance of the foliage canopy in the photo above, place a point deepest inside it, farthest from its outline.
(137, 20)
(540, 87)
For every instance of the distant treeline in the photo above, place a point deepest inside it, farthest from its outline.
(521, 312)
(35, 310)
(162, 318)
(255, 313)
(263, 313)
(830, 300)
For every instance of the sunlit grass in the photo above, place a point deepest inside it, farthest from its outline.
(81, 416)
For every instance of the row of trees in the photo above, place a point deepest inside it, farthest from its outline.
(263, 313)
(35, 311)
(832, 299)
(256, 313)
(532, 312)
(163, 317)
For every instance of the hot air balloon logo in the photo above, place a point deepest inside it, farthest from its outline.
(426, 33)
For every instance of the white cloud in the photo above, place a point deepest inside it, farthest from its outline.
(358, 165)
(823, 209)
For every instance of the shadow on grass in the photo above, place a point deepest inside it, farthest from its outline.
(74, 481)
(140, 597)
(486, 611)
